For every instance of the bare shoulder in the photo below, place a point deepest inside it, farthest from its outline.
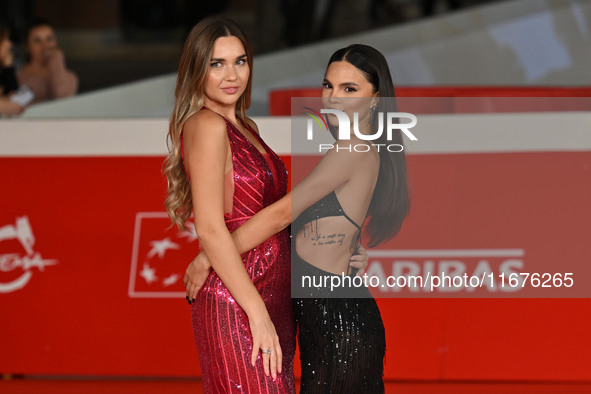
(252, 124)
(349, 149)
(354, 152)
(205, 121)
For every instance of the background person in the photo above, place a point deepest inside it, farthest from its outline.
(45, 71)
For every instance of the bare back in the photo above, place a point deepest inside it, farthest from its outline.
(327, 232)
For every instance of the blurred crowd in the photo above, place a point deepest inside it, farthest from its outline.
(44, 75)
(137, 39)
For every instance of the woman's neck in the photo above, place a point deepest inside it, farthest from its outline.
(227, 111)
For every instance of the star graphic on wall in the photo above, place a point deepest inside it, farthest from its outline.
(171, 280)
(160, 247)
(148, 273)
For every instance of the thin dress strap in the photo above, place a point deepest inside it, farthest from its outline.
(343, 211)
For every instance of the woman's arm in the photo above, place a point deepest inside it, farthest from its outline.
(334, 170)
(206, 149)
(198, 270)
(277, 216)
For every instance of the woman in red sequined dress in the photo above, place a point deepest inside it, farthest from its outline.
(220, 169)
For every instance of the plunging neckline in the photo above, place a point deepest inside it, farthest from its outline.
(266, 156)
(253, 134)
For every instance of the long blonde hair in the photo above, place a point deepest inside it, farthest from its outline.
(189, 92)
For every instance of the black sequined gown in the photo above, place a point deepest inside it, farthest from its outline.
(341, 333)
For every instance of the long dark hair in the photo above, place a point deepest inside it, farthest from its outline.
(390, 201)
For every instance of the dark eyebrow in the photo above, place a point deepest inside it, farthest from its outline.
(216, 59)
(343, 84)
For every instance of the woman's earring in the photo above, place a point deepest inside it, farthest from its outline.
(372, 111)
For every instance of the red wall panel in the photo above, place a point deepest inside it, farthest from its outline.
(75, 314)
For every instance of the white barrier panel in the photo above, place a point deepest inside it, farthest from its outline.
(561, 131)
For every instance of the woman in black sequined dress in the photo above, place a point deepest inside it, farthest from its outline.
(341, 334)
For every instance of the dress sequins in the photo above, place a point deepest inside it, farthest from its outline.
(220, 325)
(341, 333)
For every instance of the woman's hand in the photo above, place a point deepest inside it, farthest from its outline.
(360, 261)
(264, 336)
(195, 275)
(265, 340)
(55, 59)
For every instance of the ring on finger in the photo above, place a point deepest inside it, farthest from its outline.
(266, 351)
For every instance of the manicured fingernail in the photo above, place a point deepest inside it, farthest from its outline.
(193, 300)
(187, 297)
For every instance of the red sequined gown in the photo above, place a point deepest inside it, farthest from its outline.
(220, 325)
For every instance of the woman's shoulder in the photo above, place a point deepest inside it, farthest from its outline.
(355, 148)
(206, 118)
(205, 121)
(352, 155)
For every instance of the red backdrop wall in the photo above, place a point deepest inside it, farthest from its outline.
(87, 310)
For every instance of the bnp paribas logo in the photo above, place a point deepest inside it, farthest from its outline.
(386, 123)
